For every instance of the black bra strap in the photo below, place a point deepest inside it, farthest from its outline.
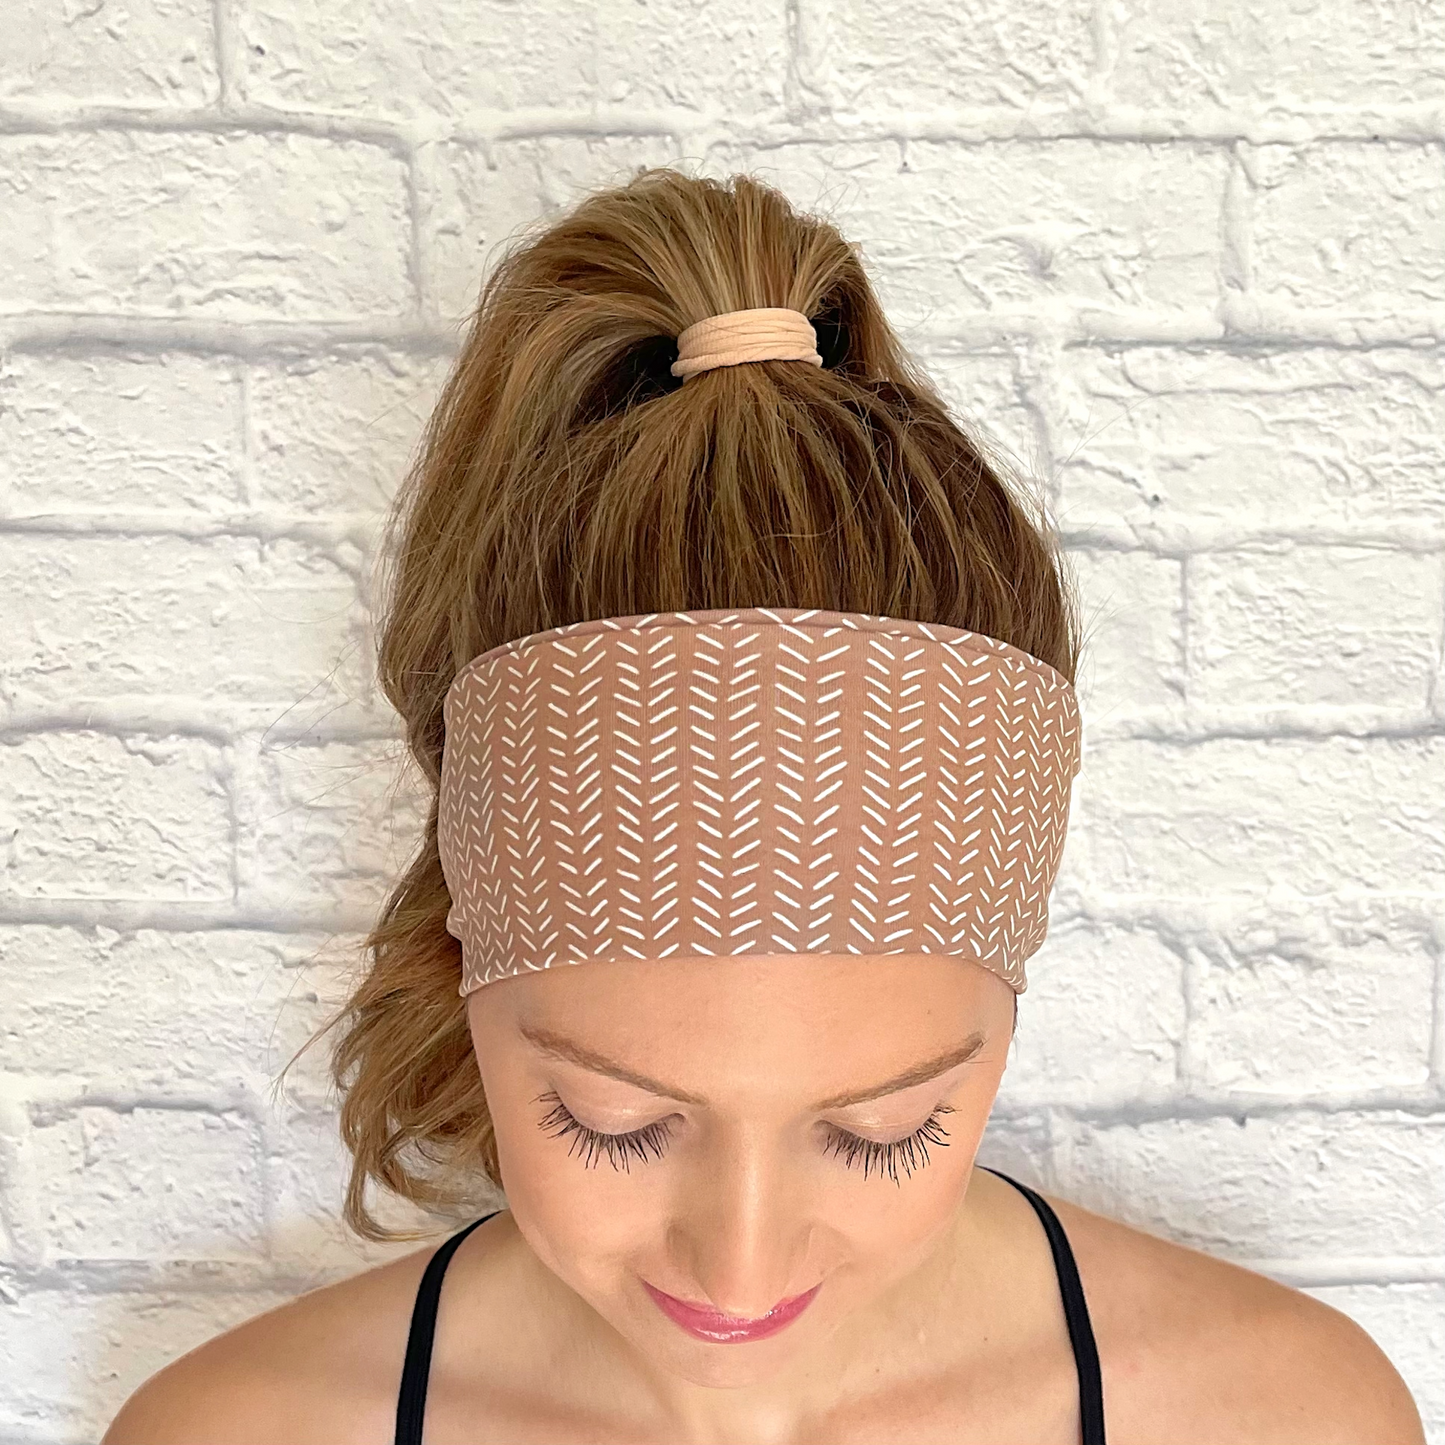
(411, 1399)
(1076, 1313)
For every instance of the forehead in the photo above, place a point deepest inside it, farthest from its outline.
(750, 1033)
(668, 1008)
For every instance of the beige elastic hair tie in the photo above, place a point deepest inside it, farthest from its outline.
(757, 781)
(764, 333)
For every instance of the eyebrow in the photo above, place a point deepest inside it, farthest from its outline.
(568, 1050)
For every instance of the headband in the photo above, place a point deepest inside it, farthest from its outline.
(761, 333)
(752, 781)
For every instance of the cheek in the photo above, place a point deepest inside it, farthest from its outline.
(591, 1227)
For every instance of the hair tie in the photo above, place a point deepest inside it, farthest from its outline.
(761, 333)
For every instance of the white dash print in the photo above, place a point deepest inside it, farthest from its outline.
(725, 728)
(807, 698)
(517, 810)
(753, 781)
(888, 865)
(572, 711)
(646, 763)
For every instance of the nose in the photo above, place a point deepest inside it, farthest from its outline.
(742, 1237)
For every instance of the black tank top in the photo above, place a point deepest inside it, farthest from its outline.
(411, 1402)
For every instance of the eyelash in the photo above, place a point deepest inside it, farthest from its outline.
(618, 1147)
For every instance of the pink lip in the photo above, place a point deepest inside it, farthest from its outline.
(708, 1324)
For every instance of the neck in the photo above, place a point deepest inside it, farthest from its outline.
(947, 1304)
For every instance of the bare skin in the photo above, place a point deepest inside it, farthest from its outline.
(937, 1317)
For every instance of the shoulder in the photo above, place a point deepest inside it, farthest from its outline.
(325, 1366)
(1192, 1347)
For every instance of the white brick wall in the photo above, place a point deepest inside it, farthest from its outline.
(1188, 265)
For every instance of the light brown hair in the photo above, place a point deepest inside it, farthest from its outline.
(565, 475)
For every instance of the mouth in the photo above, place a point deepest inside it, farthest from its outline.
(708, 1324)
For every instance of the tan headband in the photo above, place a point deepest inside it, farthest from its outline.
(763, 333)
(759, 781)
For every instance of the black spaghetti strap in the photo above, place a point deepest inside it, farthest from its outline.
(411, 1398)
(1076, 1313)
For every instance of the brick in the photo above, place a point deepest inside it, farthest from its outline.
(385, 58)
(1235, 54)
(915, 54)
(479, 202)
(1101, 1019)
(88, 815)
(1338, 625)
(1297, 1186)
(74, 1357)
(1244, 816)
(149, 53)
(208, 1007)
(212, 618)
(1018, 1147)
(1292, 440)
(235, 226)
(953, 231)
(335, 433)
(145, 1184)
(117, 433)
(318, 972)
(1131, 608)
(1407, 1321)
(1357, 224)
(987, 392)
(1336, 1006)
(307, 1167)
(1074, 879)
(1255, 528)
(334, 826)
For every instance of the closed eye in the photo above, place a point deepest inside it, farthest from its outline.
(619, 1149)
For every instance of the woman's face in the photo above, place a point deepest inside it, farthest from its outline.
(758, 1165)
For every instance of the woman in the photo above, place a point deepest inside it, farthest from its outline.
(743, 681)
